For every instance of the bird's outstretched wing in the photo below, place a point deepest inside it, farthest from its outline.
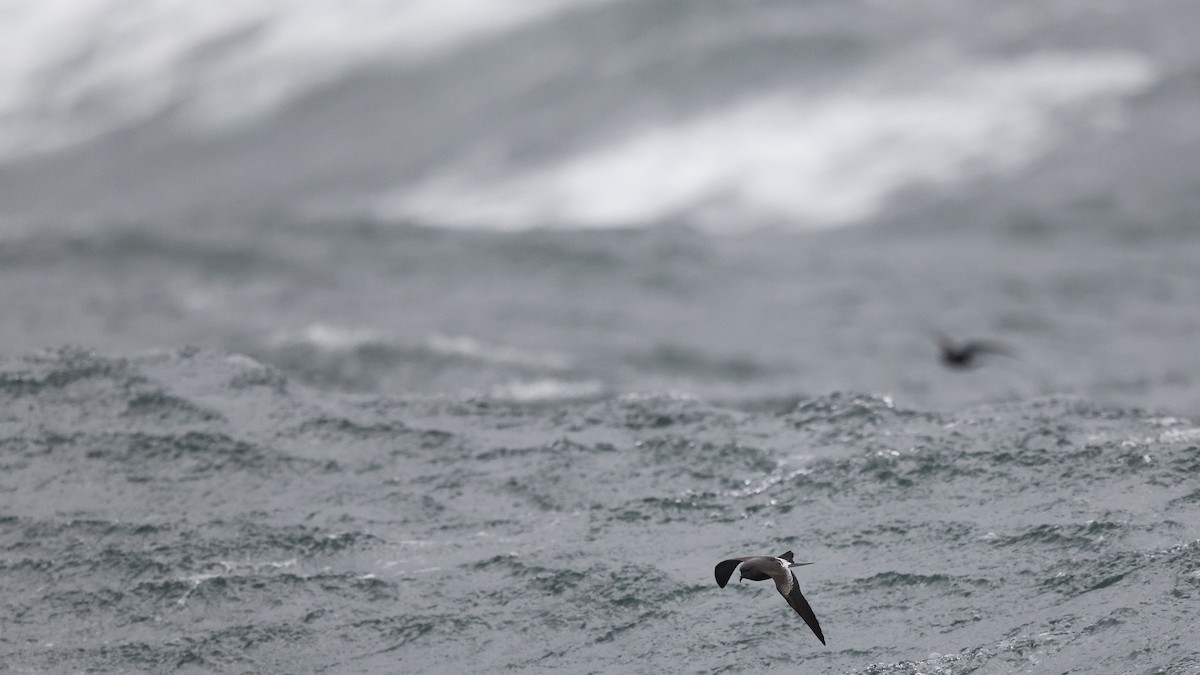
(790, 590)
(986, 347)
(725, 569)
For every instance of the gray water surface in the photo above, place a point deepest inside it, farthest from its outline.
(468, 337)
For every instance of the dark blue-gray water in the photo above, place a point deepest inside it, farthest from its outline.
(469, 336)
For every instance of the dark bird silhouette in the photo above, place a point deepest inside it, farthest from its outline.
(763, 567)
(965, 355)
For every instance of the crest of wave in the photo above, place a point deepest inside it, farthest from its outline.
(70, 70)
(790, 158)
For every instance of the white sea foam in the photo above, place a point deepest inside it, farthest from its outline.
(547, 389)
(789, 159)
(70, 70)
(230, 568)
(334, 338)
(1180, 436)
(329, 337)
(462, 345)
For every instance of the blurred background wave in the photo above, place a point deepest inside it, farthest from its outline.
(733, 198)
(586, 113)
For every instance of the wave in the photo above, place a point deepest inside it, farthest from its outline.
(72, 71)
(797, 159)
(506, 115)
(359, 358)
(296, 528)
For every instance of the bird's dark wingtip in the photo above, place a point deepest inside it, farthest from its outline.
(798, 603)
(724, 570)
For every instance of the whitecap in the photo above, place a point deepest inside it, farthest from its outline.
(70, 71)
(328, 336)
(547, 389)
(462, 345)
(796, 159)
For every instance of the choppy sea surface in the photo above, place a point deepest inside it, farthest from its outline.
(187, 511)
(469, 336)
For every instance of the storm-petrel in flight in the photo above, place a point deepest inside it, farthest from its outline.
(964, 355)
(763, 567)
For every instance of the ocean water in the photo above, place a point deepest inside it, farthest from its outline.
(446, 336)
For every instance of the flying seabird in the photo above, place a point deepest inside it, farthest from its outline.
(964, 355)
(763, 567)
